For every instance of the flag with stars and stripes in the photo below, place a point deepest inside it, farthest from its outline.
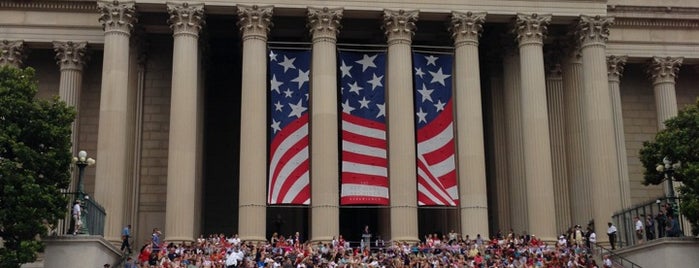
(434, 122)
(364, 163)
(288, 150)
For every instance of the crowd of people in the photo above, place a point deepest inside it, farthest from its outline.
(663, 224)
(449, 250)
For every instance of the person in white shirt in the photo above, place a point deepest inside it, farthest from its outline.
(611, 232)
(607, 262)
(639, 229)
(77, 212)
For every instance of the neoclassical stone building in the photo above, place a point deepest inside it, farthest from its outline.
(553, 100)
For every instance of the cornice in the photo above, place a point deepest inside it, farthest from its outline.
(68, 6)
(655, 23)
(617, 9)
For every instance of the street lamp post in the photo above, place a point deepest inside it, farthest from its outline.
(667, 168)
(82, 161)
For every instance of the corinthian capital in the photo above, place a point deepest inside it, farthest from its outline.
(186, 18)
(593, 29)
(466, 27)
(531, 28)
(324, 23)
(70, 55)
(11, 53)
(615, 67)
(117, 16)
(254, 21)
(664, 69)
(399, 25)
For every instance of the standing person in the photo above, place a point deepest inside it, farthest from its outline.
(77, 213)
(155, 241)
(366, 237)
(638, 227)
(125, 235)
(611, 232)
(650, 228)
(661, 219)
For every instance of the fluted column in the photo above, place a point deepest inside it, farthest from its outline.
(576, 151)
(599, 139)
(530, 30)
(324, 24)
(512, 95)
(473, 200)
(112, 150)
(186, 21)
(556, 108)
(11, 53)
(254, 25)
(663, 71)
(402, 170)
(615, 68)
(500, 150)
(71, 58)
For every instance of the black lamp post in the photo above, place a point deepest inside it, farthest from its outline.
(667, 168)
(82, 161)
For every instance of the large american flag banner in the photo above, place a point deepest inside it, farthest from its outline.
(364, 164)
(288, 130)
(434, 122)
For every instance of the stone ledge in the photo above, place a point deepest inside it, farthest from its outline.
(79, 251)
(664, 252)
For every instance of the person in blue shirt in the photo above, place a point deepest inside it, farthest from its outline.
(155, 240)
(125, 235)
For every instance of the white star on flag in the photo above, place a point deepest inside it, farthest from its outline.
(425, 93)
(274, 84)
(278, 106)
(275, 125)
(288, 93)
(439, 77)
(302, 78)
(345, 70)
(431, 60)
(287, 63)
(382, 110)
(346, 107)
(439, 106)
(375, 82)
(272, 56)
(421, 115)
(297, 109)
(355, 88)
(364, 103)
(367, 62)
(418, 72)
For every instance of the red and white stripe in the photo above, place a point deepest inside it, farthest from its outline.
(364, 163)
(288, 165)
(436, 165)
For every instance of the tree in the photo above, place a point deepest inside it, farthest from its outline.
(679, 142)
(34, 165)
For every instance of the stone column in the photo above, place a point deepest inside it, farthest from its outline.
(402, 170)
(473, 198)
(615, 68)
(530, 30)
(71, 58)
(512, 96)
(254, 25)
(11, 53)
(663, 71)
(112, 138)
(186, 21)
(576, 151)
(599, 139)
(324, 24)
(556, 108)
(500, 150)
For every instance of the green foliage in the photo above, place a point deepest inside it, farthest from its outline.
(679, 142)
(34, 165)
